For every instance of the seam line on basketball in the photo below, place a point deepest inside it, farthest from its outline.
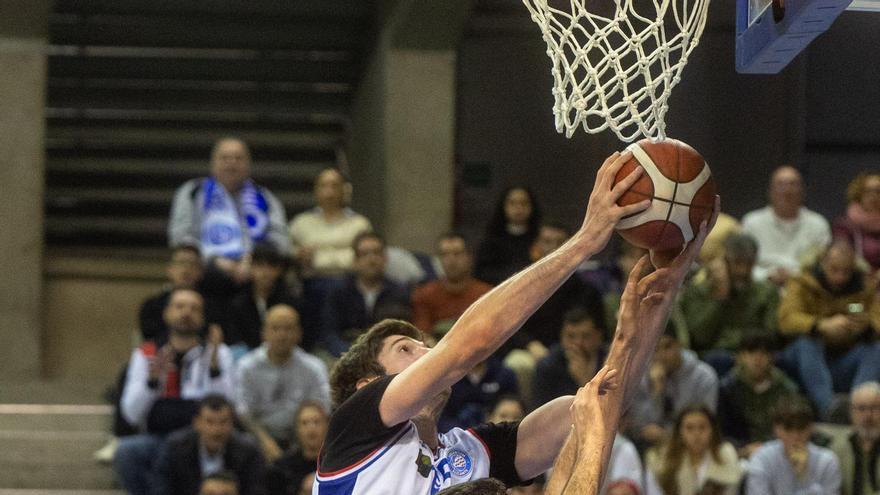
(674, 194)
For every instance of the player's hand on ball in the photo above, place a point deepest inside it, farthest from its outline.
(603, 212)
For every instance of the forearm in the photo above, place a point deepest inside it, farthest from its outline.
(563, 467)
(594, 454)
(630, 354)
(501, 312)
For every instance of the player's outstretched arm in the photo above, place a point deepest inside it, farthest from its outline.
(489, 322)
(645, 307)
(644, 310)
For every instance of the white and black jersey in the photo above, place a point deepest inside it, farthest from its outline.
(362, 456)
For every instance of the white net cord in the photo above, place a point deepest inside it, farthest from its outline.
(618, 72)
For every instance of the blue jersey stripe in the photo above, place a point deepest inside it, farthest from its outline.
(342, 486)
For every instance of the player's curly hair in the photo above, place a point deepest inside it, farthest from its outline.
(361, 359)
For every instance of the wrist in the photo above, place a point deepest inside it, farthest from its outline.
(587, 241)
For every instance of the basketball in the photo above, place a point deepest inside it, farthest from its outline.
(680, 186)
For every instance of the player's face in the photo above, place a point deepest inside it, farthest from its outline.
(517, 207)
(231, 164)
(865, 414)
(399, 351)
(696, 432)
(455, 258)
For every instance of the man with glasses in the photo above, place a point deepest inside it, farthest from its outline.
(859, 449)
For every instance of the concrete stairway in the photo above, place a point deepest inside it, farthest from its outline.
(47, 449)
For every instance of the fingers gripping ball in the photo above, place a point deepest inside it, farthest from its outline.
(682, 192)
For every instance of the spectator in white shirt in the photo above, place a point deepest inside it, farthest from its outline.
(786, 230)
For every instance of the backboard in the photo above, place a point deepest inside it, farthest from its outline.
(770, 33)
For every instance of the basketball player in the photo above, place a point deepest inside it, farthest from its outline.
(390, 389)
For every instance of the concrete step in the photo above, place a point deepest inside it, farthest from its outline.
(43, 417)
(50, 447)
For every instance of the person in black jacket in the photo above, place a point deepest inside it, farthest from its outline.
(209, 446)
(363, 298)
(266, 289)
(184, 271)
(571, 363)
(509, 235)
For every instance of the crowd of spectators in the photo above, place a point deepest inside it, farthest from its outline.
(776, 328)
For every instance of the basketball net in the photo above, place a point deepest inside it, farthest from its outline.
(618, 72)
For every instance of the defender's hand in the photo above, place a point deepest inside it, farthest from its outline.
(593, 405)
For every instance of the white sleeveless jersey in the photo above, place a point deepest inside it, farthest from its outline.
(405, 465)
(362, 456)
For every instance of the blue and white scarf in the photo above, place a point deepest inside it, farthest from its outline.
(223, 225)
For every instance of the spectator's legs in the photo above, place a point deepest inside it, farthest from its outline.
(805, 357)
(869, 366)
(721, 360)
(134, 462)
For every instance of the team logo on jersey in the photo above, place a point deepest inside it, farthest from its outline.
(423, 464)
(460, 463)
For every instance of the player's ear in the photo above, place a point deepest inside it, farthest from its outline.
(364, 382)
